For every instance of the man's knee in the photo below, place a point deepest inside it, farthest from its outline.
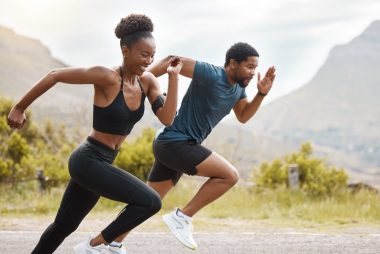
(233, 176)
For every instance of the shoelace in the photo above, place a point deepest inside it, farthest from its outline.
(117, 247)
(186, 221)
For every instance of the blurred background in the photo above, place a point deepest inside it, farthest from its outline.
(324, 100)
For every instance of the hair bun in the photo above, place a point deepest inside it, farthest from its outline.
(133, 23)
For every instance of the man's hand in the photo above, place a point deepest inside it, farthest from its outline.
(264, 85)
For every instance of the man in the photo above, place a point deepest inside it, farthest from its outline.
(212, 93)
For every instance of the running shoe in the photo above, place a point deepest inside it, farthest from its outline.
(182, 228)
(116, 248)
(85, 248)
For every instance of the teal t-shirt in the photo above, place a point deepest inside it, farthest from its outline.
(208, 99)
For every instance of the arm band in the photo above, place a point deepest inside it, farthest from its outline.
(158, 103)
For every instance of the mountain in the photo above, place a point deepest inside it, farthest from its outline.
(338, 110)
(23, 61)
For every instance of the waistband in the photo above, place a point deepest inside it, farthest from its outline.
(102, 148)
(190, 141)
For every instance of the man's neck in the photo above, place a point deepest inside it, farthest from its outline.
(229, 75)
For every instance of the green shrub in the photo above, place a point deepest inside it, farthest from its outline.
(137, 157)
(315, 176)
(48, 148)
(27, 150)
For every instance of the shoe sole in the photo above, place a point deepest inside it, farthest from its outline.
(79, 249)
(168, 224)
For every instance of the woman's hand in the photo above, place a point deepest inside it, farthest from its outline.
(175, 65)
(16, 118)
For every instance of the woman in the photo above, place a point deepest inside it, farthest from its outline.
(118, 104)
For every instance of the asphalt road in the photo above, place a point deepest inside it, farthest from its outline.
(19, 234)
(20, 242)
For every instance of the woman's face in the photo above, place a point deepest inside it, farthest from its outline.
(140, 55)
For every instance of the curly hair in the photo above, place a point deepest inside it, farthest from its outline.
(133, 28)
(239, 52)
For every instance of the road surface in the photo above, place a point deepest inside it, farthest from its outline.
(19, 236)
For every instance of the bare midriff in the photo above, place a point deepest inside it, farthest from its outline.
(111, 140)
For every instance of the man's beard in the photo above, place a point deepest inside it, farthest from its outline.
(241, 83)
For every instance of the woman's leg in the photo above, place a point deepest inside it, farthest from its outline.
(162, 188)
(76, 204)
(119, 185)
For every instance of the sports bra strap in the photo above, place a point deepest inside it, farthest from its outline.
(122, 78)
(142, 90)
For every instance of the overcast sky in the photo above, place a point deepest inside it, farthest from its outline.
(293, 35)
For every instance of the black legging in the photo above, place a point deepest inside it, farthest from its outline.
(93, 175)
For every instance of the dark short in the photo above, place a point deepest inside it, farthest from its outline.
(173, 158)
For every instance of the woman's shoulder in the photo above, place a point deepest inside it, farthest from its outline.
(109, 73)
(104, 76)
(147, 78)
(106, 70)
(149, 82)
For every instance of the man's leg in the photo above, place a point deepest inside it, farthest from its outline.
(222, 175)
(162, 187)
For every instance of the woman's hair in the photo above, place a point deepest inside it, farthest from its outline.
(133, 28)
(240, 51)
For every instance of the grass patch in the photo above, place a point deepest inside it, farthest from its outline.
(275, 207)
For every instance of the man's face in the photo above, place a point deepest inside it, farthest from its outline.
(245, 70)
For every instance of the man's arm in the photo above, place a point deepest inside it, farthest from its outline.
(244, 109)
(159, 68)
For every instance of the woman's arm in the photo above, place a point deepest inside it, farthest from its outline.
(165, 109)
(160, 68)
(98, 76)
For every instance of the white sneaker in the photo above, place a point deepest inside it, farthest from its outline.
(85, 248)
(116, 248)
(181, 226)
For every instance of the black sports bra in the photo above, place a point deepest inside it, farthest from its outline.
(117, 118)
